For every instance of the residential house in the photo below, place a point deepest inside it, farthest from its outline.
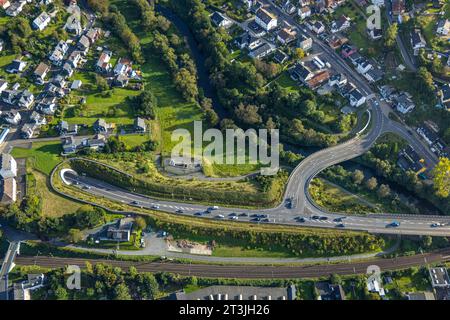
(26, 99)
(4, 4)
(387, 92)
(67, 70)
(336, 41)
(83, 44)
(28, 130)
(76, 84)
(288, 7)
(22, 291)
(266, 20)
(37, 119)
(428, 133)
(309, 77)
(8, 189)
(363, 65)
(327, 291)
(103, 65)
(124, 66)
(417, 40)
(355, 58)
(8, 96)
(220, 20)
(246, 40)
(338, 80)
(47, 105)
(8, 173)
(59, 52)
(374, 285)
(16, 66)
(374, 75)
(398, 7)
(304, 42)
(427, 295)
(444, 96)
(261, 51)
(443, 27)
(139, 125)
(121, 230)
(75, 58)
(71, 144)
(356, 98)
(8, 166)
(403, 103)
(98, 142)
(347, 50)
(41, 72)
(93, 35)
(64, 128)
(41, 22)
(3, 85)
(280, 57)
(248, 3)
(304, 12)
(318, 27)
(15, 8)
(341, 24)
(100, 126)
(286, 35)
(378, 3)
(59, 81)
(409, 160)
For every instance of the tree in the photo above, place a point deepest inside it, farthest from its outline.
(121, 292)
(74, 236)
(335, 279)
(101, 83)
(248, 114)
(371, 183)
(299, 54)
(427, 241)
(358, 176)
(61, 294)
(384, 191)
(391, 35)
(441, 177)
(145, 104)
(141, 224)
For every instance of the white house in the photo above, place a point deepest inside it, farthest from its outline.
(403, 103)
(12, 117)
(363, 65)
(443, 27)
(304, 12)
(220, 20)
(341, 24)
(356, 98)
(42, 21)
(266, 20)
(318, 27)
(57, 56)
(378, 3)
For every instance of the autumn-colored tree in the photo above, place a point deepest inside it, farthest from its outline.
(442, 178)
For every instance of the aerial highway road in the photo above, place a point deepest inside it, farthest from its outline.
(285, 213)
(248, 271)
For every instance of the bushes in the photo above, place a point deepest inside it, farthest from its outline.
(113, 176)
(301, 242)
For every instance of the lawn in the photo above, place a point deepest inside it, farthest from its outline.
(53, 205)
(134, 140)
(335, 199)
(43, 156)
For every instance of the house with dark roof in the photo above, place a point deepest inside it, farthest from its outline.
(286, 35)
(374, 75)
(101, 126)
(41, 72)
(409, 160)
(121, 230)
(16, 66)
(266, 20)
(403, 103)
(25, 99)
(444, 96)
(417, 40)
(340, 24)
(64, 128)
(261, 51)
(220, 20)
(280, 57)
(327, 291)
(427, 133)
(356, 98)
(246, 40)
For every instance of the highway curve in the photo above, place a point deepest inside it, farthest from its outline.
(247, 271)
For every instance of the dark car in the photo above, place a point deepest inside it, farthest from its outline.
(300, 219)
(255, 219)
(179, 211)
(232, 214)
(323, 218)
(198, 213)
(265, 220)
(315, 217)
(338, 219)
(340, 225)
(255, 215)
(243, 214)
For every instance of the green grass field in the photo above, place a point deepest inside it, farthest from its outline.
(43, 156)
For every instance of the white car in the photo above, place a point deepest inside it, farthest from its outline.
(155, 206)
